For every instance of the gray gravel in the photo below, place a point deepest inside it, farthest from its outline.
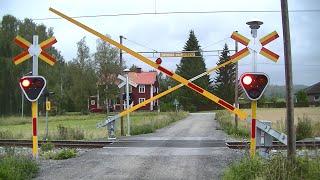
(152, 162)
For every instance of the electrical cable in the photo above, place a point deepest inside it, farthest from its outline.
(180, 12)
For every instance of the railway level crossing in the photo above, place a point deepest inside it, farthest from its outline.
(245, 41)
(242, 115)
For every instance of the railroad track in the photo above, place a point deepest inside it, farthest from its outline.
(275, 144)
(57, 143)
(154, 143)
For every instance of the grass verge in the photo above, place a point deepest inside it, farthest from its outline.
(226, 123)
(17, 167)
(277, 167)
(150, 124)
(76, 126)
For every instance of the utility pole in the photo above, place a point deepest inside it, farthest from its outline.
(291, 148)
(121, 93)
(236, 102)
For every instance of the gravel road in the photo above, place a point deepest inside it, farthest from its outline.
(196, 162)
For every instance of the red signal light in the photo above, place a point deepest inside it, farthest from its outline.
(25, 83)
(247, 80)
(159, 61)
(254, 84)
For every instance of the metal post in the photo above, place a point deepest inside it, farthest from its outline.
(47, 126)
(236, 102)
(291, 148)
(127, 101)
(121, 94)
(253, 129)
(34, 105)
(22, 104)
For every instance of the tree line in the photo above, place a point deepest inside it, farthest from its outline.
(72, 80)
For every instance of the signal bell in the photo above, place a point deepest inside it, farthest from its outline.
(32, 86)
(254, 84)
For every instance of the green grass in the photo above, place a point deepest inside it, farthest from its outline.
(65, 153)
(226, 122)
(277, 167)
(15, 127)
(17, 167)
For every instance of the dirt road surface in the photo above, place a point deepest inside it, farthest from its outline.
(168, 158)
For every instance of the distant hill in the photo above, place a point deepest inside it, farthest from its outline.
(279, 91)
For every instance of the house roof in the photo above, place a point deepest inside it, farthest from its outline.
(314, 89)
(143, 77)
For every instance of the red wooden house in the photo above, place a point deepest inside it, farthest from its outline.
(148, 86)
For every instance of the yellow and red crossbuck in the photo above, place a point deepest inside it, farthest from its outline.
(264, 41)
(26, 54)
(266, 52)
(241, 39)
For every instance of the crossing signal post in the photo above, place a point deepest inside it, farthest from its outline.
(254, 85)
(32, 86)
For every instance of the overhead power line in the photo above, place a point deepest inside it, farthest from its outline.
(181, 12)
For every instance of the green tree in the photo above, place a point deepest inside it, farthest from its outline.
(188, 68)
(107, 66)
(83, 78)
(225, 79)
(302, 97)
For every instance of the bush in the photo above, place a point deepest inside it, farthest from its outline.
(165, 107)
(304, 128)
(17, 167)
(48, 146)
(59, 155)
(65, 154)
(65, 133)
(277, 167)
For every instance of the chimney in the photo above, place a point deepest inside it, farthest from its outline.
(138, 70)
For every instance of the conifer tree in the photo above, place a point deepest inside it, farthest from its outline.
(188, 68)
(225, 80)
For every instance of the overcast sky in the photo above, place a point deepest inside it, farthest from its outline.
(170, 32)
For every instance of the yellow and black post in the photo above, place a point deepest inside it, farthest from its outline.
(253, 128)
(34, 108)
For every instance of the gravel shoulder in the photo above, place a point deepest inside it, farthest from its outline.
(152, 162)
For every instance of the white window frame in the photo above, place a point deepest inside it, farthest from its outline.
(142, 87)
(316, 99)
(141, 100)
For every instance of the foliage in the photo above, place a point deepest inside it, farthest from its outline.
(48, 146)
(277, 167)
(188, 68)
(304, 128)
(65, 153)
(225, 79)
(65, 133)
(225, 120)
(167, 106)
(302, 97)
(18, 167)
(107, 67)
